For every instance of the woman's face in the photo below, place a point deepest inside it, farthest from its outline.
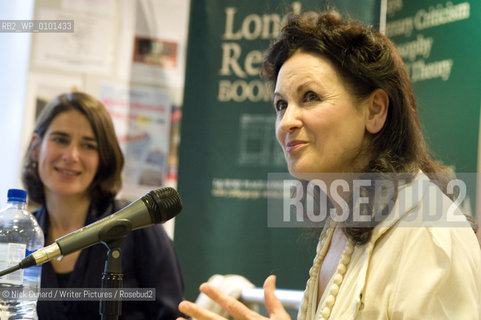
(319, 124)
(67, 156)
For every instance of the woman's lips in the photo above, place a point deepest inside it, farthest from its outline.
(67, 172)
(293, 146)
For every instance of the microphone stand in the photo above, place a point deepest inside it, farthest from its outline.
(112, 277)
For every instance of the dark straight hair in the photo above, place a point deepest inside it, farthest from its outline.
(107, 181)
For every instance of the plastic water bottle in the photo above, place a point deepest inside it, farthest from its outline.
(20, 235)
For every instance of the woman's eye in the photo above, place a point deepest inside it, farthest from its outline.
(280, 105)
(311, 96)
(90, 146)
(60, 140)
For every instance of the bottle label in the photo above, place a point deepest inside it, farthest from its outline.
(10, 255)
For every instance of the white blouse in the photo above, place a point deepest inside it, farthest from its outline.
(410, 269)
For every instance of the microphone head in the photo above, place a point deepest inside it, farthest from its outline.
(163, 204)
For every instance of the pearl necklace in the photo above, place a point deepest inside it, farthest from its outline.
(336, 281)
(338, 277)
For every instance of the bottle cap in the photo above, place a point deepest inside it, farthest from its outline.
(17, 195)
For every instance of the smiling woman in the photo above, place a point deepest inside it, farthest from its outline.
(67, 157)
(95, 120)
(72, 169)
(320, 125)
(345, 110)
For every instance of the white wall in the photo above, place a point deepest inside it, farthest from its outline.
(14, 62)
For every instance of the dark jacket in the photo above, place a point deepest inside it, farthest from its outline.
(148, 261)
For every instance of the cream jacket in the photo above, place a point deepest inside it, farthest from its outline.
(410, 269)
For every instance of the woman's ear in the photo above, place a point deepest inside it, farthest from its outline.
(34, 143)
(378, 105)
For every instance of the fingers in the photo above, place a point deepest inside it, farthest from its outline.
(235, 308)
(199, 313)
(273, 305)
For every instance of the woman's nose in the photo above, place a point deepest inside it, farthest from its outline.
(71, 154)
(291, 119)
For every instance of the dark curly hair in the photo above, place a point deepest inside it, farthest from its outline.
(366, 60)
(107, 181)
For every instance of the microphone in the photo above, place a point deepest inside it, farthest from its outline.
(157, 206)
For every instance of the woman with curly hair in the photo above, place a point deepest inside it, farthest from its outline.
(345, 105)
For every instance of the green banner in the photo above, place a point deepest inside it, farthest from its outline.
(440, 42)
(228, 147)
